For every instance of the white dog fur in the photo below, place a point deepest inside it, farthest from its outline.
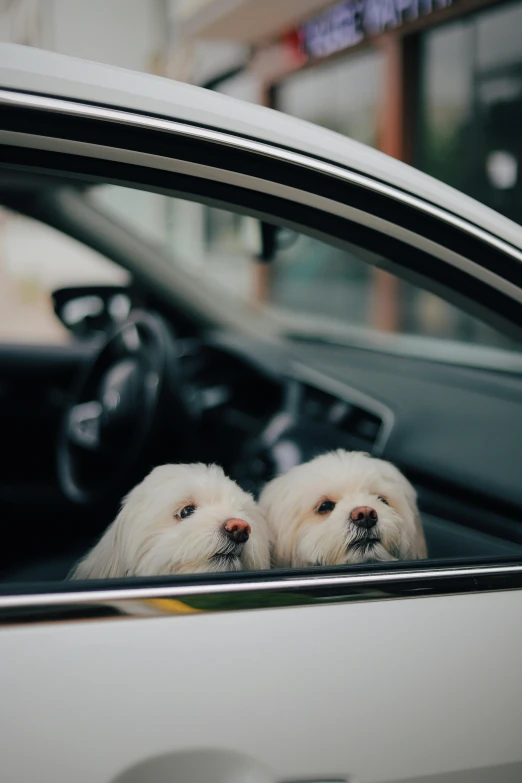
(304, 532)
(154, 534)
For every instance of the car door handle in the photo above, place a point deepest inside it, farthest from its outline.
(210, 765)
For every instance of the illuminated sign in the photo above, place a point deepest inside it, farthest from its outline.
(349, 22)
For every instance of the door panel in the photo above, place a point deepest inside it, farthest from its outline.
(34, 384)
(382, 691)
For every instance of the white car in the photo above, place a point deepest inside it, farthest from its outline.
(372, 673)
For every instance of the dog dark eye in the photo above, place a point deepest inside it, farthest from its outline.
(186, 512)
(383, 500)
(326, 506)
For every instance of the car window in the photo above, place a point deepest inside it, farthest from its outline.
(36, 259)
(152, 446)
(309, 288)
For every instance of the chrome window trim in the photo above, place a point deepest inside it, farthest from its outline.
(287, 592)
(122, 116)
(179, 166)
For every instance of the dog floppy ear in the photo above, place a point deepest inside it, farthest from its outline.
(257, 554)
(278, 509)
(418, 548)
(106, 560)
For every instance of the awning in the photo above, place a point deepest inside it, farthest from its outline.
(248, 21)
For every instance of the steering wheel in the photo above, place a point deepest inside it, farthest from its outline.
(112, 425)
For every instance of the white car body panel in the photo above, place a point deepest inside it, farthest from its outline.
(382, 691)
(372, 691)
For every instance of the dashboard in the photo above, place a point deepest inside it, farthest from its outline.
(274, 423)
(263, 407)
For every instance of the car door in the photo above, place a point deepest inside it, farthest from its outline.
(412, 673)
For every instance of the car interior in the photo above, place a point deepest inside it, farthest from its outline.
(205, 375)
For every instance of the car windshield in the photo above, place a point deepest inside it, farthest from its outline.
(305, 288)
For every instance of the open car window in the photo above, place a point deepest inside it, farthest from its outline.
(308, 289)
(419, 400)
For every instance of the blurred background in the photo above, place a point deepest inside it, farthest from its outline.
(435, 83)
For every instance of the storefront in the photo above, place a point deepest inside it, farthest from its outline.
(470, 106)
(435, 83)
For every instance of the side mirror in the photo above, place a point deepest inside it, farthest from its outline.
(89, 311)
(263, 240)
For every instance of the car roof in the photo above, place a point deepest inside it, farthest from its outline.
(46, 73)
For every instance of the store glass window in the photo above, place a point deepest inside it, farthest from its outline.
(446, 104)
(498, 95)
(499, 37)
(470, 133)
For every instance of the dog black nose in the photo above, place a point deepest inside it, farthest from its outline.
(238, 530)
(364, 516)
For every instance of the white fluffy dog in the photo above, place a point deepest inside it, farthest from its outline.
(342, 507)
(181, 519)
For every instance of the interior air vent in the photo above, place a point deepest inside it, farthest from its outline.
(356, 426)
(360, 424)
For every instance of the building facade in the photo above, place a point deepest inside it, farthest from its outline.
(435, 83)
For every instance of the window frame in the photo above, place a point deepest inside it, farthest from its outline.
(85, 140)
(479, 265)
